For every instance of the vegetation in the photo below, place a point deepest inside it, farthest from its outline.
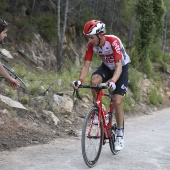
(155, 97)
(150, 16)
(134, 78)
(140, 24)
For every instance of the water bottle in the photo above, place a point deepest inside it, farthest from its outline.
(106, 116)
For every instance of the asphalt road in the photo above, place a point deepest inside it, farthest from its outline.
(147, 147)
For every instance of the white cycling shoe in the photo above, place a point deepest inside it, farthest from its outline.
(119, 143)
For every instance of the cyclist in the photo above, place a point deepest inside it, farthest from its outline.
(114, 68)
(3, 33)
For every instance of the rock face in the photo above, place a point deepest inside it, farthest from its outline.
(62, 105)
(11, 102)
(41, 54)
(51, 114)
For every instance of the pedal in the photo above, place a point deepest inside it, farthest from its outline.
(114, 127)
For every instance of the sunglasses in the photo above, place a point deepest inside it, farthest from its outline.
(3, 25)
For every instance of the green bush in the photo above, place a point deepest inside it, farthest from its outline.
(147, 67)
(33, 88)
(20, 70)
(134, 77)
(47, 24)
(11, 92)
(166, 57)
(155, 97)
(134, 56)
(127, 104)
(163, 67)
(24, 30)
(4, 4)
(156, 53)
(158, 78)
(85, 16)
(25, 99)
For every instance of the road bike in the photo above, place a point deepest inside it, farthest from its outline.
(95, 135)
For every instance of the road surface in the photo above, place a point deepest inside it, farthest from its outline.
(147, 147)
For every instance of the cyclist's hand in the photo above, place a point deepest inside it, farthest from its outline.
(76, 84)
(111, 85)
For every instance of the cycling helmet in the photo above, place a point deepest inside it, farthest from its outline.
(94, 27)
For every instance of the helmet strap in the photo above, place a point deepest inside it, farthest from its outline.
(98, 39)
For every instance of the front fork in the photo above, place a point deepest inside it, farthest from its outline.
(108, 129)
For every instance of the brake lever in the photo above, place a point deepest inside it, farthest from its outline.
(77, 94)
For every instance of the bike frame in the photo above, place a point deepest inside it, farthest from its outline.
(101, 114)
(107, 127)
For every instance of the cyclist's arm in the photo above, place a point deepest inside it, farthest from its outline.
(118, 71)
(85, 69)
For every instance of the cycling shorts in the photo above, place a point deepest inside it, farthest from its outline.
(107, 74)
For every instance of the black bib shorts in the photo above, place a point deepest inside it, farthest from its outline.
(107, 74)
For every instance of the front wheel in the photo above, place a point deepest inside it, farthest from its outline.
(92, 138)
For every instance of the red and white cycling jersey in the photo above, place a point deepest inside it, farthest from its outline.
(112, 51)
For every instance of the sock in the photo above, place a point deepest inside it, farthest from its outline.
(120, 131)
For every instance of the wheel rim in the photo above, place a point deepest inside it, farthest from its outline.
(91, 140)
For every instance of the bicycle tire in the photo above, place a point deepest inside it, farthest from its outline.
(15, 76)
(92, 151)
(113, 138)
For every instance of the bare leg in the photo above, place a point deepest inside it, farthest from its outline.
(95, 80)
(119, 112)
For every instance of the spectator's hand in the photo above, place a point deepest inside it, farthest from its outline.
(14, 83)
(76, 84)
(111, 86)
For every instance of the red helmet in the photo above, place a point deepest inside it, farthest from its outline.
(94, 27)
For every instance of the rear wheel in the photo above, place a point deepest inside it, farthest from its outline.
(92, 138)
(112, 139)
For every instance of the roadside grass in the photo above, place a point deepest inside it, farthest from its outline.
(155, 97)
(134, 78)
(40, 81)
(127, 104)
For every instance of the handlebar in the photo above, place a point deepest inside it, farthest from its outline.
(99, 87)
